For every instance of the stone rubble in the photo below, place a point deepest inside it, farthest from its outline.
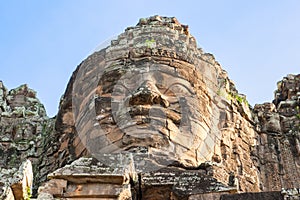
(17, 183)
(278, 148)
(89, 178)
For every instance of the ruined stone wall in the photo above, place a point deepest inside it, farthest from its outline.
(26, 133)
(278, 147)
(235, 165)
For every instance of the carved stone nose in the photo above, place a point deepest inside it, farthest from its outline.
(148, 94)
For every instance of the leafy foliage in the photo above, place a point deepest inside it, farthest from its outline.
(298, 112)
(28, 193)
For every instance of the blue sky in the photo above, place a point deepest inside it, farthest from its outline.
(257, 42)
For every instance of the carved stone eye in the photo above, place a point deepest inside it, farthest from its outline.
(160, 86)
(177, 89)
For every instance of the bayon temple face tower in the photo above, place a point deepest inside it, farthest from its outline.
(150, 92)
(152, 116)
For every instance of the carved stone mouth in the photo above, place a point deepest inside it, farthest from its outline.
(144, 116)
(144, 125)
(148, 112)
(151, 126)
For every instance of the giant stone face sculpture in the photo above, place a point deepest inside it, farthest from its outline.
(145, 94)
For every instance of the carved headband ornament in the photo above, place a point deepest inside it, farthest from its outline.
(161, 52)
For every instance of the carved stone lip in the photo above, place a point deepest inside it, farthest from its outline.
(155, 111)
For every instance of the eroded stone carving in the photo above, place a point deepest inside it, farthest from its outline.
(148, 98)
(17, 183)
(152, 116)
(278, 137)
(154, 95)
(26, 133)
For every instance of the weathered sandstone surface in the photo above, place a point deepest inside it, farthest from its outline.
(152, 116)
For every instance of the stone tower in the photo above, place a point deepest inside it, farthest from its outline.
(152, 116)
